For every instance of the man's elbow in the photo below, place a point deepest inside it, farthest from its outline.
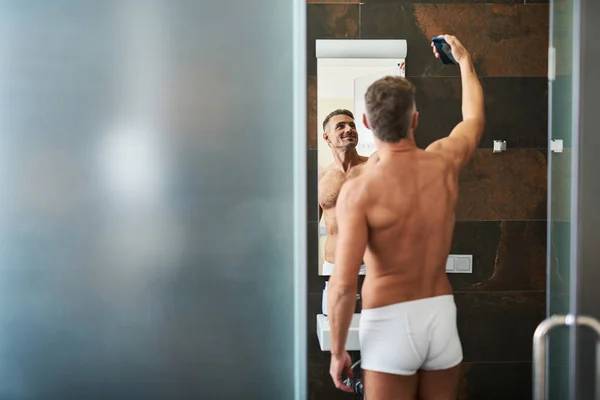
(342, 288)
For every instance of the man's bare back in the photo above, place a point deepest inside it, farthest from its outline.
(408, 197)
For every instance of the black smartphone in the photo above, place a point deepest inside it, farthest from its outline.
(444, 49)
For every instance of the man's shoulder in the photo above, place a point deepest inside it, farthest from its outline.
(437, 166)
(372, 159)
(438, 159)
(325, 170)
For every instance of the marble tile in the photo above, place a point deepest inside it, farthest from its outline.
(506, 40)
(507, 256)
(329, 21)
(516, 110)
(311, 96)
(507, 186)
(499, 326)
(496, 381)
(311, 188)
(503, 39)
(480, 239)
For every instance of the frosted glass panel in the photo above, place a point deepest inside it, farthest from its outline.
(560, 226)
(147, 233)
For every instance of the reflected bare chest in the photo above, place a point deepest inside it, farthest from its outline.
(331, 184)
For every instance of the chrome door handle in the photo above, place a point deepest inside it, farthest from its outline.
(539, 346)
(539, 353)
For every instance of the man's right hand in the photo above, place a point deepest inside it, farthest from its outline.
(459, 52)
(341, 365)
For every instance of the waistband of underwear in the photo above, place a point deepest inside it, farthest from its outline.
(424, 305)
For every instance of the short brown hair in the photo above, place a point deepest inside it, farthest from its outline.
(390, 103)
(332, 114)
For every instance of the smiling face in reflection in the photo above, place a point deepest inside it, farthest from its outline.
(340, 132)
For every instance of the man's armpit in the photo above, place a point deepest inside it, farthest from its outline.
(454, 149)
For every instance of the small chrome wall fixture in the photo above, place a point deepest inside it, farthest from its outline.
(556, 146)
(499, 146)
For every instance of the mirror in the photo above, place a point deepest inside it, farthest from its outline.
(345, 70)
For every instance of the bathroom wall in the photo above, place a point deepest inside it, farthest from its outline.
(502, 207)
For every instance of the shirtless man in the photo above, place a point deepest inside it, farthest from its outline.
(402, 212)
(339, 131)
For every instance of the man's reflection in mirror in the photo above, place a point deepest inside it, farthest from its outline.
(340, 134)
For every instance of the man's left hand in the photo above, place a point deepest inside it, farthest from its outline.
(339, 364)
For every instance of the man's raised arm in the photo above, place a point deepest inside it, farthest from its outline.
(462, 142)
